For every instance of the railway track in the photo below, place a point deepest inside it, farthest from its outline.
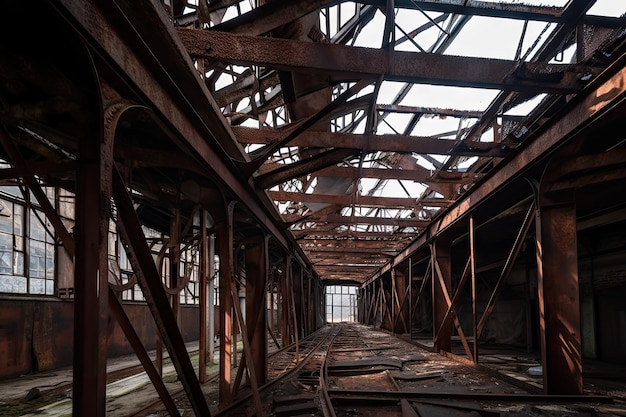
(296, 382)
(349, 370)
(296, 377)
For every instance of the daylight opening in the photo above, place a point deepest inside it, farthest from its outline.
(341, 303)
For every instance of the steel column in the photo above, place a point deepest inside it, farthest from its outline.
(174, 257)
(89, 372)
(225, 245)
(410, 296)
(367, 304)
(211, 298)
(385, 312)
(441, 263)
(292, 302)
(203, 273)
(559, 309)
(310, 307)
(284, 304)
(91, 312)
(399, 300)
(256, 304)
(246, 347)
(378, 307)
(273, 292)
(427, 277)
(472, 242)
(298, 304)
(392, 306)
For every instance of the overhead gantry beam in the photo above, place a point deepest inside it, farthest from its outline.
(355, 251)
(315, 233)
(342, 261)
(270, 16)
(303, 167)
(384, 143)
(418, 174)
(325, 246)
(507, 10)
(344, 272)
(480, 8)
(400, 108)
(359, 200)
(265, 20)
(271, 173)
(338, 220)
(353, 63)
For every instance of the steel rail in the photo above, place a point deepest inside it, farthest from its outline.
(284, 375)
(325, 402)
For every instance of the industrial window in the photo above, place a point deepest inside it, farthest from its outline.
(41, 254)
(189, 271)
(216, 277)
(188, 265)
(27, 244)
(121, 270)
(340, 303)
(28, 250)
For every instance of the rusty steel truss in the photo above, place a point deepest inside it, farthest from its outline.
(311, 160)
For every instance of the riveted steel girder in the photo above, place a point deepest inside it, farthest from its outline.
(366, 63)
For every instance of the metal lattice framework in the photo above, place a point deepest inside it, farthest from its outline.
(345, 127)
(330, 101)
(321, 143)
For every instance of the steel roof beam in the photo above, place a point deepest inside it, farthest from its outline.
(398, 108)
(344, 245)
(360, 200)
(338, 219)
(367, 63)
(302, 167)
(385, 143)
(479, 8)
(270, 16)
(354, 251)
(352, 235)
(418, 174)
